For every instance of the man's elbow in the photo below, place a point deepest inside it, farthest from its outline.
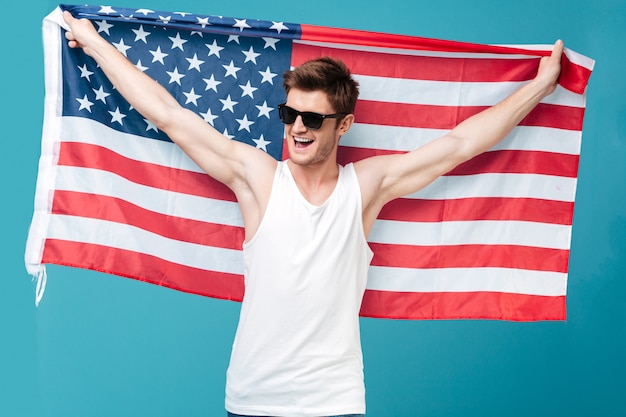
(169, 118)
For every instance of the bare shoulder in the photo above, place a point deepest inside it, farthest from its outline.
(370, 173)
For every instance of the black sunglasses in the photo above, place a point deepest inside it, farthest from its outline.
(310, 119)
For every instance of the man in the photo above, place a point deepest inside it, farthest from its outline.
(297, 349)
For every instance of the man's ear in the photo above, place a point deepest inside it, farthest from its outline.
(345, 124)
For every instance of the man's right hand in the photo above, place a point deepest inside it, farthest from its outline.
(81, 33)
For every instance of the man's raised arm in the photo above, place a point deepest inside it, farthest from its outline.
(223, 159)
(384, 178)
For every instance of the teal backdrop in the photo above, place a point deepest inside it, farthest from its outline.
(101, 345)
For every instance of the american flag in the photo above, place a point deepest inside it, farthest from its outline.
(490, 239)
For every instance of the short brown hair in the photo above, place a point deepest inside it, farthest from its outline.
(329, 75)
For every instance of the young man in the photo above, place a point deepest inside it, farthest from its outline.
(297, 349)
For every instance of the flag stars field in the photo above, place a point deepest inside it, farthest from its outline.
(238, 71)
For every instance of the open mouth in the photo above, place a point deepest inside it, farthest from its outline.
(302, 143)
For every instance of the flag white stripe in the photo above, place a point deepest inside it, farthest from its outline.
(522, 138)
(167, 202)
(450, 93)
(545, 187)
(482, 232)
(515, 281)
(131, 146)
(126, 237)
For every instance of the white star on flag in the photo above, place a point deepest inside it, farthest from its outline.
(192, 97)
(279, 26)
(175, 76)
(214, 49)
(229, 104)
(268, 76)
(158, 55)
(231, 69)
(101, 94)
(194, 63)
(245, 123)
(241, 24)
(145, 12)
(85, 103)
(270, 43)
(264, 110)
(120, 46)
(141, 35)
(116, 116)
(104, 26)
(106, 10)
(178, 42)
(261, 143)
(248, 90)
(85, 73)
(211, 83)
(250, 55)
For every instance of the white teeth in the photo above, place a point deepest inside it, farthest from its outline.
(303, 140)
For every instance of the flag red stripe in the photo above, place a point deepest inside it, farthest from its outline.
(86, 155)
(501, 161)
(117, 210)
(479, 208)
(388, 40)
(462, 305)
(447, 117)
(142, 267)
(470, 256)
(423, 67)
(520, 162)
(574, 77)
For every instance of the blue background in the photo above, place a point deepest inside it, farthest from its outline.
(100, 345)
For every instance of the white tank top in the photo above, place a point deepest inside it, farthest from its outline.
(297, 351)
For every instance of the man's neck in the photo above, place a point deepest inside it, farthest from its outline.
(315, 182)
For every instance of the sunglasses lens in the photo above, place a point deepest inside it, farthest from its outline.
(288, 115)
(312, 120)
(309, 119)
